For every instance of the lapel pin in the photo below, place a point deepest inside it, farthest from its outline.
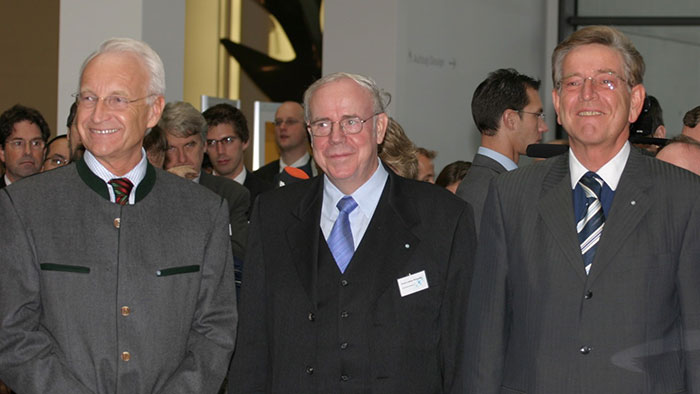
(633, 202)
(407, 246)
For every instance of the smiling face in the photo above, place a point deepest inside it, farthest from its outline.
(596, 119)
(349, 160)
(115, 137)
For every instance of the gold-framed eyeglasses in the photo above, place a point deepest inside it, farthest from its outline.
(226, 141)
(604, 80)
(113, 102)
(351, 125)
(540, 115)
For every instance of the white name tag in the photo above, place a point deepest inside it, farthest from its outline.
(412, 283)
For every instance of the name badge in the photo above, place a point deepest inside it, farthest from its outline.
(412, 283)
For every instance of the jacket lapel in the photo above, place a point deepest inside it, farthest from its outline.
(303, 237)
(629, 206)
(556, 209)
(389, 241)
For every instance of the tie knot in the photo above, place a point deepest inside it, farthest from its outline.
(346, 204)
(122, 187)
(592, 184)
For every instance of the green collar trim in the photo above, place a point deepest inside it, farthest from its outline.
(100, 187)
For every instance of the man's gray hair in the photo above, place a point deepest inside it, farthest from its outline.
(182, 120)
(150, 58)
(380, 98)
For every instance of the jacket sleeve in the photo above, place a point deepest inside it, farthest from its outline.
(30, 360)
(487, 313)
(213, 330)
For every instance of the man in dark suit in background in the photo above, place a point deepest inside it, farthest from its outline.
(507, 110)
(587, 272)
(356, 281)
(185, 130)
(23, 136)
(227, 140)
(292, 142)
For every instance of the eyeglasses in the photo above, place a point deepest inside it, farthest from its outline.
(114, 102)
(540, 115)
(226, 141)
(288, 122)
(19, 144)
(323, 127)
(57, 161)
(607, 80)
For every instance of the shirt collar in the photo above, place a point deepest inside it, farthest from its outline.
(7, 180)
(610, 172)
(136, 174)
(367, 196)
(503, 160)
(299, 163)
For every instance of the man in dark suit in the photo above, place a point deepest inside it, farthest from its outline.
(23, 136)
(227, 140)
(507, 110)
(185, 130)
(292, 142)
(368, 297)
(587, 270)
(134, 292)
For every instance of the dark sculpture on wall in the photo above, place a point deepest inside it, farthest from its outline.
(282, 81)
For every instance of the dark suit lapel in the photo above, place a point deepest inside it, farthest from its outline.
(303, 237)
(389, 242)
(629, 206)
(556, 209)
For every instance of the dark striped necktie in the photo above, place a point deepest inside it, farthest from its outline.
(590, 227)
(122, 187)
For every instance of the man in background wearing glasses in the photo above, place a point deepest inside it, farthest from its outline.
(292, 142)
(23, 136)
(357, 280)
(586, 277)
(508, 113)
(135, 293)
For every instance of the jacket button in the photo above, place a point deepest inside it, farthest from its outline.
(588, 295)
(343, 282)
(117, 222)
(126, 311)
(309, 370)
(343, 345)
(344, 314)
(312, 317)
(585, 349)
(126, 356)
(344, 378)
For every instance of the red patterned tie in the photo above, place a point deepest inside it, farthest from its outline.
(122, 187)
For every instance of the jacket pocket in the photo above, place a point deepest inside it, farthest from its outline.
(78, 269)
(185, 269)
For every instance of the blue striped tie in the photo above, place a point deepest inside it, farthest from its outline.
(340, 241)
(590, 227)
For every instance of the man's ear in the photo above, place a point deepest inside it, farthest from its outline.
(637, 96)
(660, 132)
(156, 111)
(382, 122)
(555, 102)
(508, 119)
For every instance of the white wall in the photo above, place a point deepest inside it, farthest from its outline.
(85, 24)
(431, 56)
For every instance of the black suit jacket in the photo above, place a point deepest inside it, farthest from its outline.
(269, 171)
(255, 186)
(538, 324)
(2, 181)
(415, 227)
(475, 185)
(238, 199)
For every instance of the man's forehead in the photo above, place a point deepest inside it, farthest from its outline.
(343, 93)
(592, 58)
(25, 127)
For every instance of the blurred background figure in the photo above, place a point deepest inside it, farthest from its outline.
(155, 145)
(74, 143)
(453, 173)
(57, 153)
(682, 151)
(649, 124)
(426, 168)
(399, 152)
(691, 122)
